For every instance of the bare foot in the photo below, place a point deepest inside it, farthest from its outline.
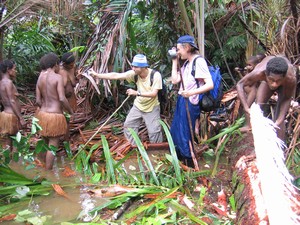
(245, 129)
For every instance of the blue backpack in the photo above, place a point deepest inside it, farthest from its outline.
(210, 100)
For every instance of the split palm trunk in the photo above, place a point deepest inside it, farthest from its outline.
(261, 183)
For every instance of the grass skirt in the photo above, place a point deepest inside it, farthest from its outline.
(9, 124)
(53, 124)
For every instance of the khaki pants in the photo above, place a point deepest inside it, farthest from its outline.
(136, 117)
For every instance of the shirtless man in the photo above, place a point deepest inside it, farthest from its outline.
(275, 74)
(50, 97)
(252, 61)
(67, 71)
(250, 91)
(11, 119)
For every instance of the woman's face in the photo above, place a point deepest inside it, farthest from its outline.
(182, 51)
(69, 66)
(12, 72)
(56, 68)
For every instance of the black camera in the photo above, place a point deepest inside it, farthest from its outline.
(172, 53)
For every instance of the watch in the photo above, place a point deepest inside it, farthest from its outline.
(138, 93)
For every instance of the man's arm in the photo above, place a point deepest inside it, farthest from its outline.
(112, 75)
(61, 94)
(248, 80)
(208, 85)
(150, 94)
(284, 101)
(284, 105)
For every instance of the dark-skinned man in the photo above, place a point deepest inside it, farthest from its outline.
(276, 75)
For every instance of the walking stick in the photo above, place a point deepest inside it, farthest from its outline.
(191, 142)
(101, 127)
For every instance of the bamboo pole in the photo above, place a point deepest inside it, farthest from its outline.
(200, 25)
(185, 17)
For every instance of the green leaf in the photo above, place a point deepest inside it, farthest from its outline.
(144, 155)
(232, 203)
(18, 137)
(53, 149)
(229, 130)
(33, 129)
(109, 161)
(141, 168)
(40, 146)
(16, 156)
(22, 191)
(297, 182)
(35, 125)
(96, 178)
(68, 149)
(188, 212)
(143, 208)
(174, 161)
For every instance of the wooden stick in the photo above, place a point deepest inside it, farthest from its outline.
(101, 127)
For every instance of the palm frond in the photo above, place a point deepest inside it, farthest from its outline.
(144, 155)
(21, 8)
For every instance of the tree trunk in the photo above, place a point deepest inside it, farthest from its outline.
(250, 204)
(246, 185)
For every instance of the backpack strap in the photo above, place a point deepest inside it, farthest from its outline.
(193, 67)
(151, 77)
(135, 78)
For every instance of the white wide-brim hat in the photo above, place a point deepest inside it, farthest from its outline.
(139, 60)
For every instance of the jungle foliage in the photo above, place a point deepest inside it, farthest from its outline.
(105, 36)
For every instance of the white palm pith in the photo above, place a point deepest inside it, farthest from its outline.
(278, 191)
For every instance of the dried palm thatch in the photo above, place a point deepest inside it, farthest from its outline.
(19, 9)
(281, 22)
(65, 8)
(278, 20)
(233, 8)
(290, 39)
(106, 47)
